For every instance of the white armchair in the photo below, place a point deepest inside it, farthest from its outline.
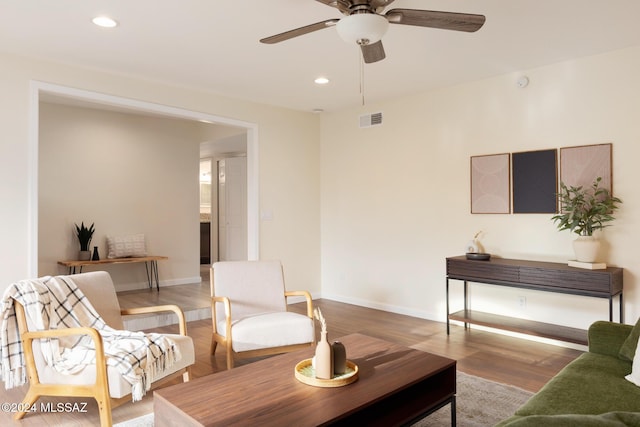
(249, 311)
(102, 382)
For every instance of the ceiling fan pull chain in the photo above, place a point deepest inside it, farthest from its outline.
(361, 78)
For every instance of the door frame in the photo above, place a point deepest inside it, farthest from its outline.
(38, 88)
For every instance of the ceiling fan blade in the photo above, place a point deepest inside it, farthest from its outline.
(378, 5)
(299, 31)
(443, 20)
(341, 5)
(373, 52)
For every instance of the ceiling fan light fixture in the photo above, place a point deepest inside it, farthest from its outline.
(362, 28)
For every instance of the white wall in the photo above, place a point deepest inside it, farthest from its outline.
(396, 202)
(288, 163)
(126, 173)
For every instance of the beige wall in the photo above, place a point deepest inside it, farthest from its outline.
(126, 173)
(395, 198)
(288, 147)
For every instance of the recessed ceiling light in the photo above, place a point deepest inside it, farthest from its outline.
(321, 81)
(104, 21)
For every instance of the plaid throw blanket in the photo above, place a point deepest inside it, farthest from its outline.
(56, 303)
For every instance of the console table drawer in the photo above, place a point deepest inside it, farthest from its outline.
(587, 281)
(482, 270)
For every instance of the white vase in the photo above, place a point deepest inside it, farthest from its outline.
(586, 248)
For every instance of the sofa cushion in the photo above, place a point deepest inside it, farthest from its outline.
(628, 349)
(610, 419)
(591, 384)
(634, 376)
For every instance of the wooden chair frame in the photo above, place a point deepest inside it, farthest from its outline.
(227, 339)
(100, 389)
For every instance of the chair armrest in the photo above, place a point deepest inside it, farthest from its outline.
(182, 324)
(101, 362)
(226, 302)
(307, 297)
(607, 337)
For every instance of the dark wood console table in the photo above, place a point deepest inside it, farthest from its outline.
(534, 275)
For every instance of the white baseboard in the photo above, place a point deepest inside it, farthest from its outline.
(421, 314)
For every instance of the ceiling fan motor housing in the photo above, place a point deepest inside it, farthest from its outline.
(362, 28)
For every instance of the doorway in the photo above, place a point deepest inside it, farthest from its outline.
(50, 92)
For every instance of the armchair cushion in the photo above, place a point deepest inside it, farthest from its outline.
(118, 387)
(53, 303)
(265, 330)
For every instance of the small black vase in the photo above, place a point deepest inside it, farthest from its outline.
(96, 255)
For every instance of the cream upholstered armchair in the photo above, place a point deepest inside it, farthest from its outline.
(249, 311)
(100, 381)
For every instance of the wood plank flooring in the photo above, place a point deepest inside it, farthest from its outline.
(525, 364)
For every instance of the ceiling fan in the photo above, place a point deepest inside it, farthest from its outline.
(365, 23)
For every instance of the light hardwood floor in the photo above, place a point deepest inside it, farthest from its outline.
(523, 363)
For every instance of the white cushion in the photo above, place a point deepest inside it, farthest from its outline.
(118, 387)
(269, 330)
(126, 246)
(634, 376)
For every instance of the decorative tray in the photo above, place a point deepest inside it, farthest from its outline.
(307, 375)
(479, 256)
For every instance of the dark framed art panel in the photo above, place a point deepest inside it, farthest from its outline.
(535, 181)
(490, 184)
(581, 165)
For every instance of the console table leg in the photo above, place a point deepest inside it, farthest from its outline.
(154, 265)
(447, 306)
(621, 309)
(610, 309)
(149, 274)
(466, 302)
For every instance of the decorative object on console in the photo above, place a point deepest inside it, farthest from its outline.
(96, 254)
(474, 246)
(84, 235)
(583, 211)
(478, 256)
(324, 359)
(126, 246)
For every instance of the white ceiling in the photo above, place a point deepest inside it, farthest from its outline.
(212, 45)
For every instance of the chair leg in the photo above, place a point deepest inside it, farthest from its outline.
(104, 408)
(186, 377)
(214, 345)
(28, 401)
(229, 357)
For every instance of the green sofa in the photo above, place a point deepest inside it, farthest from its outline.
(591, 390)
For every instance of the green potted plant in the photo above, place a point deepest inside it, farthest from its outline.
(84, 237)
(583, 211)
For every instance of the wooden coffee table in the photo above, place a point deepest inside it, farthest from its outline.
(396, 385)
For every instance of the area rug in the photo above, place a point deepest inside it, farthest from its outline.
(143, 421)
(479, 403)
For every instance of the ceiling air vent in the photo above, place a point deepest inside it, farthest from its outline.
(368, 120)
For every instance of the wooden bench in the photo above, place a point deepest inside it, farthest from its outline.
(150, 263)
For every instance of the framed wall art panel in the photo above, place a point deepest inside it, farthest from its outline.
(535, 181)
(490, 184)
(580, 166)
